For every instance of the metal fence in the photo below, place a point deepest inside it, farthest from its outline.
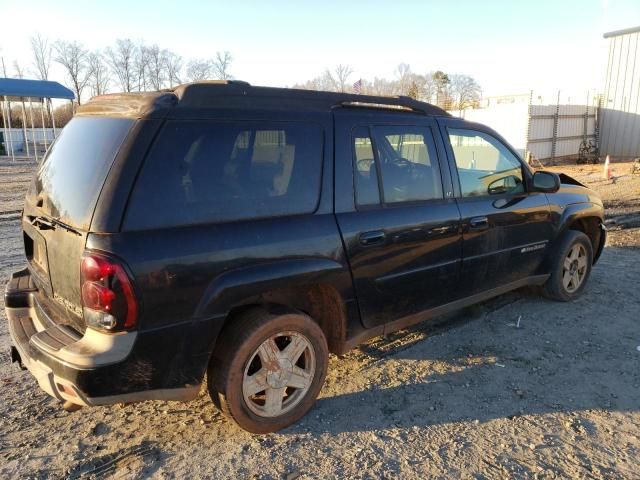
(557, 131)
(548, 131)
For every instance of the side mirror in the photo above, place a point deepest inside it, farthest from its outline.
(503, 185)
(547, 182)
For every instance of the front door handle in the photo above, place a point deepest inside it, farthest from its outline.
(375, 237)
(479, 223)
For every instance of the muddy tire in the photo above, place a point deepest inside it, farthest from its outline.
(268, 368)
(570, 267)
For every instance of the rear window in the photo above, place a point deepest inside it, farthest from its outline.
(206, 171)
(76, 166)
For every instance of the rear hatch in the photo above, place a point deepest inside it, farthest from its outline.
(58, 210)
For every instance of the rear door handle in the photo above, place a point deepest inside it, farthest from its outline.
(375, 237)
(479, 223)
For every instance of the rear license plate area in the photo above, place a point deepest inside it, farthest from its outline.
(35, 249)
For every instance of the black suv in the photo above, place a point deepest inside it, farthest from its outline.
(243, 232)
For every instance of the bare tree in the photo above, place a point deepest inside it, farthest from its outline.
(221, 64)
(446, 90)
(63, 114)
(405, 80)
(98, 74)
(173, 67)
(73, 58)
(428, 88)
(420, 87)
(157, 61)
(336, 81)
(19, 73)
(342, 72)
(324, 82)
(328, 82)
(198, 69)
(442, 81)
(121, 60)
(464, 91)
(141, 62)
(414, 90)
(41, 56)
(382, 86)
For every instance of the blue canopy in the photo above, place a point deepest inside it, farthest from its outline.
(17, 87)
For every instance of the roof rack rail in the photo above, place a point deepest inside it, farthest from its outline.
(236, 94)
(399, 102)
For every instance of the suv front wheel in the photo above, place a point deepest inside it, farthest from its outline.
(268, 369)
(571, 266)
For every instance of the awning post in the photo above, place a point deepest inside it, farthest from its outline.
(4, 126)
(44, 131)
(33, 130)
(24, 128)
(8, 107)
(53, 118)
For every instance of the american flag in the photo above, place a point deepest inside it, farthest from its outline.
(357, 87)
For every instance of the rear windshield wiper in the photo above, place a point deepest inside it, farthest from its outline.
(67, 227)
(44, 223)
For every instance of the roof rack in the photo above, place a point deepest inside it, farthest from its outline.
(236, 94)
(399, 102)
(321, 99)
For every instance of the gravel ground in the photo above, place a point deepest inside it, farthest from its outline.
(517, 387)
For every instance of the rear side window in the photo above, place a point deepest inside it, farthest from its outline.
(407, 160)
(205, 172)
(76, 166)
(366, 176)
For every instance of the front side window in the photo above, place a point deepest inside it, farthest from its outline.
(206, 172)
(485, 166)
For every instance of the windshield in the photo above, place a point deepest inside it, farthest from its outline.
(73, 172)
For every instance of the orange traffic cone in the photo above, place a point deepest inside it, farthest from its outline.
(606, 172)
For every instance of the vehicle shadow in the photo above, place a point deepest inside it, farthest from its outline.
(488, 370)
(483, 392)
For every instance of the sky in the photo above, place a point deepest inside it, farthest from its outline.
(510, 47)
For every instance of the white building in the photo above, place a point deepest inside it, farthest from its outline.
(620, 108)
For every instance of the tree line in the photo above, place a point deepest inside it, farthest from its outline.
(132, 66)
(448, 91)
(124, 66)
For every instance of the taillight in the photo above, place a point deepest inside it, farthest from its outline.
(108, 299)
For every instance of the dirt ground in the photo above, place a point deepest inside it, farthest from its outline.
(517, 387)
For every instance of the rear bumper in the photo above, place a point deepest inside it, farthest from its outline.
(91, 369)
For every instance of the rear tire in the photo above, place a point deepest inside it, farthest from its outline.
(268, 368)
(570, 267)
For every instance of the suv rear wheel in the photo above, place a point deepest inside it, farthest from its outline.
(268, 369)
(571, 267)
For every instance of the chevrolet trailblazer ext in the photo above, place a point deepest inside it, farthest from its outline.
(243, 232)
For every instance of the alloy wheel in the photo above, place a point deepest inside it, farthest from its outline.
(278, 374)
(574, 269)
